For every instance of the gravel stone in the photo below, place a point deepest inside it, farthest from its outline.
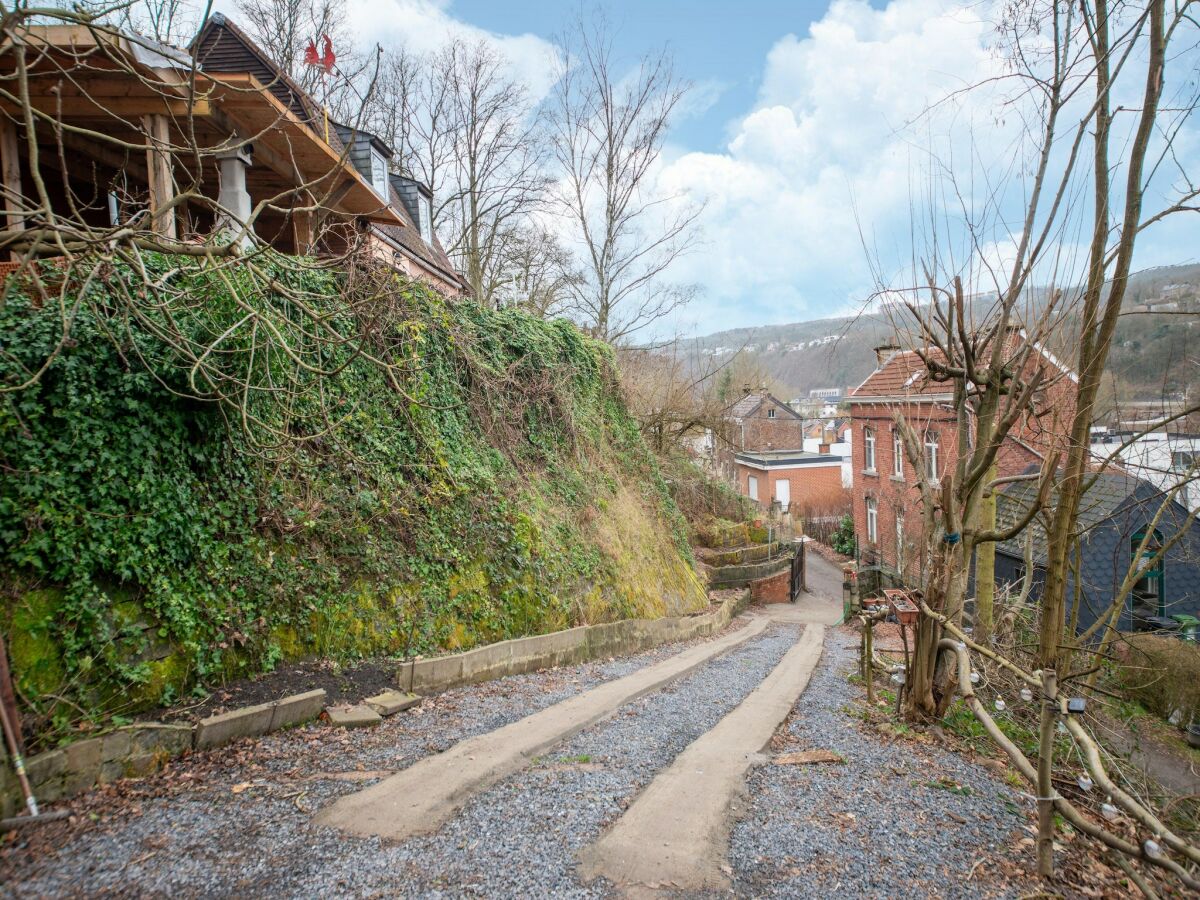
(878, 825)
(237, 821)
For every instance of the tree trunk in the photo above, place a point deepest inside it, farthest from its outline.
(985, 566)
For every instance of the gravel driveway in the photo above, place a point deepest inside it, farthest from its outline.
(237, 821)
(898, 818)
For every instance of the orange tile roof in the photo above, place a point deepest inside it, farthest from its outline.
(903, 374)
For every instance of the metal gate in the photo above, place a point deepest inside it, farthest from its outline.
(798, 582)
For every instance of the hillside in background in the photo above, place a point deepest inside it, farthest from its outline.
(1151, 355)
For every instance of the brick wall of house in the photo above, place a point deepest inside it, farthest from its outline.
(893, 495)
(807, 483)
(760, 431)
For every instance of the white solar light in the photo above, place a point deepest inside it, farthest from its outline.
(999, 705)
(1152, 849)
(1026, 694)
(1085, 783)
(974, 678)
(1109, 811)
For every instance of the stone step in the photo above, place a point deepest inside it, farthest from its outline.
(357, 716)
(391, 702)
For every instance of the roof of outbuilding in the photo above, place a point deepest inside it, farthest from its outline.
(1108, 493)
(747, 405)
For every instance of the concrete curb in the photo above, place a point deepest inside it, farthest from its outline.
(141, 749)
(543, 651)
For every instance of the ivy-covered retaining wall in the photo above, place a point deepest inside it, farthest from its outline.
(484, 482)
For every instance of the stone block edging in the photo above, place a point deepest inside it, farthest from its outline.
(135, 750)
(543, 651)
(140, 749)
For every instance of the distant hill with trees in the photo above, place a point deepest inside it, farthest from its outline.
(1153, 353)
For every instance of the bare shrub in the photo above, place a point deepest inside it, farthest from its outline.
(1162, 674)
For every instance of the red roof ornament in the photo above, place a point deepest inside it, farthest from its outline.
(324, 60)
(327, 58)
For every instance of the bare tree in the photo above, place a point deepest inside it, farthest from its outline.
(607, 131)
(168, 21)
(466, 127)
(540, 271)
(284, 29)
(1091, 80)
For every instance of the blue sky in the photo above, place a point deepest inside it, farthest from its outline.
(719, 46)
(807, 136)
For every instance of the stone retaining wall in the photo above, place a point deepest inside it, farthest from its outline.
(742, 576)
(140, 749)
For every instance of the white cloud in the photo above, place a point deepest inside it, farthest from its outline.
(828, 151)
(427, 25)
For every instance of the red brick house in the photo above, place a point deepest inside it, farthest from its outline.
(788, 476)
(886, 498)
(761, 421)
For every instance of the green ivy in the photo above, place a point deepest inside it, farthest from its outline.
(457, 502)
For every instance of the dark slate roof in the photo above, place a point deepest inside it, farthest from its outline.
(1107, 495)
(410, 239)
(221, 46)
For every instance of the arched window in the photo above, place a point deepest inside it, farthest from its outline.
(1147, 600)
(897, 453)
(931, 455)
(869, 449)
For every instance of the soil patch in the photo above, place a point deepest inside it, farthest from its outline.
(343, 682)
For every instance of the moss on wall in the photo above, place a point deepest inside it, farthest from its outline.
(491, 484)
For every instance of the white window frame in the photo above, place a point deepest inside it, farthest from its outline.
(872, 520)
(379, 173)
(897, 454)
(899, 541)
(752, 487)
(932, 449)
(425, 206)
(869, 449)
(771, 413)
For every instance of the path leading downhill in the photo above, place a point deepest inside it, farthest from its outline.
(563, 783)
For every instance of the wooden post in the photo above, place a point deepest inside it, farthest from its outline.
(302, 231)
(159, 174)
(10, 171)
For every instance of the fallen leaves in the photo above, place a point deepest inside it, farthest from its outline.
(808, 758)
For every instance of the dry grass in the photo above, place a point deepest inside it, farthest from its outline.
(1163, 675)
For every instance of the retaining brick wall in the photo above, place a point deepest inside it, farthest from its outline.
(775, 588)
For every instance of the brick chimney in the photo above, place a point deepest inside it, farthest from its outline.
(822, 448)
(883, 353)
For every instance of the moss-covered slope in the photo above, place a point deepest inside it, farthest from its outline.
(448, 476)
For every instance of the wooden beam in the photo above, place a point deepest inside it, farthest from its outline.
(158, 167)
(302, 231)
(10, 174)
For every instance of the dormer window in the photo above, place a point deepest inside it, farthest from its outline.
(379, 173)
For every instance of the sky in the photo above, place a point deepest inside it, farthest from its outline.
(803, 135)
